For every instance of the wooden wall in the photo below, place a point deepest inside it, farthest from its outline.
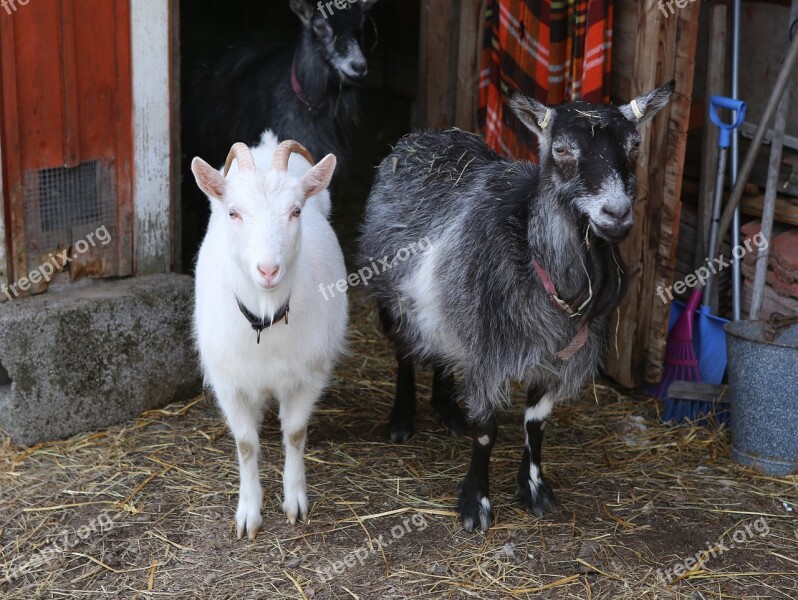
(648, 50)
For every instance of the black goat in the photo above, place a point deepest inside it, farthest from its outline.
(521, 278)
(307, 92)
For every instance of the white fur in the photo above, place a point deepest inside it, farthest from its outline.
(292, 363)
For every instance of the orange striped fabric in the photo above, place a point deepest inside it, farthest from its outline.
(552, 50)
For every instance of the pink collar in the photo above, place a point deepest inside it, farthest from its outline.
(297, 87)
(580, 338)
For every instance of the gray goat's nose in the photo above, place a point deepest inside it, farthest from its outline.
(360, 67)
(620, 212)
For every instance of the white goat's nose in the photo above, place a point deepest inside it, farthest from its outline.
(269, 271)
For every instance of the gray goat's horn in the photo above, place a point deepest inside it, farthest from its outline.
(284, 152)
(244, 156)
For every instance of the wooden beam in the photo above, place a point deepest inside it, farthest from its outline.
(174, 77)
(152, 141)
(650, 50)
(685, 43)
(468, 63)
(715, 84)
(439, 69)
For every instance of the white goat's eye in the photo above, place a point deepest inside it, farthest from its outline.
(296, 212)
(233, 214)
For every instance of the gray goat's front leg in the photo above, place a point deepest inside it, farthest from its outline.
(533, 490)
(474, 501)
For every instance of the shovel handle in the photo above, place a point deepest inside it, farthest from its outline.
(738, 106)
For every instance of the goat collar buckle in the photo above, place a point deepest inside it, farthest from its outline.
(580, 338)
(259, 324)
(297, 87)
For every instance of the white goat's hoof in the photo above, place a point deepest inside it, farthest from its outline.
(248, 521)
(296, 507)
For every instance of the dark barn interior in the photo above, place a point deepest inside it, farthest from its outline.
(391, 43)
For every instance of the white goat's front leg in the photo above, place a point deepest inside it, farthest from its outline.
(244, 419)
(295, 411)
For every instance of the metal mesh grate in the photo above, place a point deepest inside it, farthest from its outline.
(63, 204)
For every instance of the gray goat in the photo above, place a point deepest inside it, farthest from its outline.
(521, 278)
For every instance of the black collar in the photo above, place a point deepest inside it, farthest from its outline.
(260, 324)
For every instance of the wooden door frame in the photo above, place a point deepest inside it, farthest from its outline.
(153, 113)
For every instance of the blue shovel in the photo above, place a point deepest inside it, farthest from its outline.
(710, 338)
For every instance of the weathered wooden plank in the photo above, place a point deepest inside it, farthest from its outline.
(649, 51)
(70, 84)
(468, 63)
(642, 77)
(174, 78)
(16, 261)
(150, 35)
(686, 42)
(715, 84)
(440, 66)
(123, 128)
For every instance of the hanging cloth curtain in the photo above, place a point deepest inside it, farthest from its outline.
(552, 50)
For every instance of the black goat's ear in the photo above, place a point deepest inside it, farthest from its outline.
(367, 4)
(643, 108)
(536, 116)
(303, 9)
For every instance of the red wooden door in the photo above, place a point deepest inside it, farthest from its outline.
(65, 122)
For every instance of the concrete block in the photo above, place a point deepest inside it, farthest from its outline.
(90, 356)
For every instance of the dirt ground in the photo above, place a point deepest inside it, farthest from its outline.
(145, 510)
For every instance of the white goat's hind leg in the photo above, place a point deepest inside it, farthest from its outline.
(295, 411)
(244, 419)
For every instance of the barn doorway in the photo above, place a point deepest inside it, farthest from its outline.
(207, 28)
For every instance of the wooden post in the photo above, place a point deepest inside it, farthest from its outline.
(715, 84)
(175, 114)
(439, 68)
(150, 36)
(652, 48)
(468, 63)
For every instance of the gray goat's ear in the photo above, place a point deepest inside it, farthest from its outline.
(536, 116)
(209, 180)
(643, 108)
(303, 9)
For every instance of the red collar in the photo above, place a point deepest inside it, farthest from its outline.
(297, 87)
(581, 336)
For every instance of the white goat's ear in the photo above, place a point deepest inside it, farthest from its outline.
(318, 178)
(536, 116)
(208, 179)
(643, 108)
(303, 9)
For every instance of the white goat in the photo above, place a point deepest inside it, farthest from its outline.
(259, 259)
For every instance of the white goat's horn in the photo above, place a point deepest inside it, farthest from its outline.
(284, 152)
(244, 156)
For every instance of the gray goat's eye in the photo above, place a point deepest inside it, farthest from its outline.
(560, 150)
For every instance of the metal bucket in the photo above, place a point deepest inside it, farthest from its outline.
(763, 389)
